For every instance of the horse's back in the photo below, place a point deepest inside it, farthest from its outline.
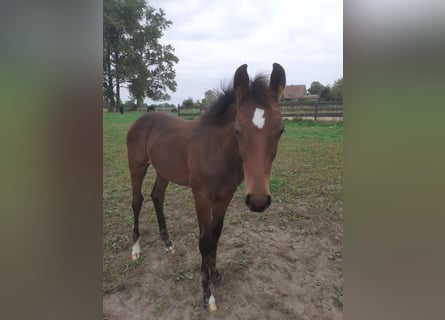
(162, 140)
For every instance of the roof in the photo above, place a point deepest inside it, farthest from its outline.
(294, 91)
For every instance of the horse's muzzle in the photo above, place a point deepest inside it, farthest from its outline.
(258, 204)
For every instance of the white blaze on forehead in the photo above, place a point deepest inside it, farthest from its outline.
(258, 118)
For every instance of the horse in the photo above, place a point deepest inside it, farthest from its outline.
(236, 138)
(151, 108)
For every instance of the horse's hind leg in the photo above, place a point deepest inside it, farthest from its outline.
(137, 176)
(157, 195)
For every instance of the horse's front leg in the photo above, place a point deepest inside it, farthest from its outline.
(207, 244)
(217, 214)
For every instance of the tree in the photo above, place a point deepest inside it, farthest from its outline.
(326, 93)
(133, 54)
(316, 88)
(209, 97)
(337, 89)
(121, 19)
(188, 102)
(153, 63)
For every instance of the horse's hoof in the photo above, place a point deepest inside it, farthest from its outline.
(212, 304)
(135, 256)
(170, 249)
(212, 307)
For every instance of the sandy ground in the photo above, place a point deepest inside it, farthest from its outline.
(283, 264)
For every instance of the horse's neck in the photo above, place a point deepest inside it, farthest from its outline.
(220, 135)
(220, 147)
(221, 132)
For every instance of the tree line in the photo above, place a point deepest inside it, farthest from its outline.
(133, 55)
(325, 93)
(328, 93)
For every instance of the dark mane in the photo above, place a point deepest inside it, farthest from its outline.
(260, 91)
(218, 111)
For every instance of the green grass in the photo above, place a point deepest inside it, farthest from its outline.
(313, 130)
(308, 169)
(309, 160)
(117, 218)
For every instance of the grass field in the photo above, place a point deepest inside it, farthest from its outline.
(298, 240)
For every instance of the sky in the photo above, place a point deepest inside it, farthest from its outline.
(213, 38)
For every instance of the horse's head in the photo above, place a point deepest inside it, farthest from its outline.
(258, 127)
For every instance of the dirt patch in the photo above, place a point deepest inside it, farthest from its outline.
(283, 264)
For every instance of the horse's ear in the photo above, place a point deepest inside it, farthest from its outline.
(241, 81)
(278, 80)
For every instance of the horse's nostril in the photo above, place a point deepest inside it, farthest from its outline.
(256, 204)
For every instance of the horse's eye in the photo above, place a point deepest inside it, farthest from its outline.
(238, 134)
(281, 132)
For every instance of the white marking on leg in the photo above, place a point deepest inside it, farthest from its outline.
(170, 249)
(212, 303)
(135, 251)
(258, 118)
